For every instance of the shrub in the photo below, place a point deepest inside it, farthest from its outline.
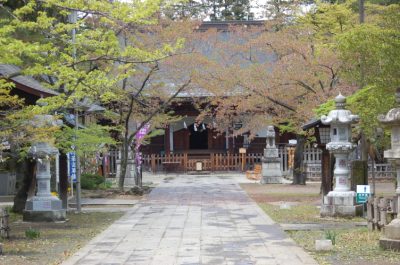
(32, 233)
(105, 185)
(91, 181)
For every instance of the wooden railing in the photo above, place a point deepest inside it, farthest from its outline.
(222, 161)
(230, 162)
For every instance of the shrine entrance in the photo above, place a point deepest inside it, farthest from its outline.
(198, 137)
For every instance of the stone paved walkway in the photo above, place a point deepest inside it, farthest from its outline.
(193, 220)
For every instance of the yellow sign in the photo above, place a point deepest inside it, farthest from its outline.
(242, 150)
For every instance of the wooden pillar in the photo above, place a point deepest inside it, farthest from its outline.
(185, 161)
(166, 141)
(63, 192)
(212, 162)
(326, 172)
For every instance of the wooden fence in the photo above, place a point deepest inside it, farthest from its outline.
(231, 162)
(381, 211)
(221, 161)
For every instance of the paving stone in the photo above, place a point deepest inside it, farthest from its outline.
(194, 220)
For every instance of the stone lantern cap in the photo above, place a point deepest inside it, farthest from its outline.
(42, 150)
(392, 120)
(340, 115)
(393, 115)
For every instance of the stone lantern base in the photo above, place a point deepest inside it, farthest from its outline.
(341, 204)
(391, 236)
(271, 171)
(44, 209)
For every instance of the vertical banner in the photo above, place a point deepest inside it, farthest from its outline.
(72, 166)
(139, 138)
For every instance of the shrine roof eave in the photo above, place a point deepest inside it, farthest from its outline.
(25, 83)
(315, 122)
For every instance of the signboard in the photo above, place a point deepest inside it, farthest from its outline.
(72, 166)
(363, 192)
(242, 150)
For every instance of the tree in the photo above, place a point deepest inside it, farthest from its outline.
(88, 57)
(215, 10)
(272, 76)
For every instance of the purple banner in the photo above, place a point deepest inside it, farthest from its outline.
(139, 138)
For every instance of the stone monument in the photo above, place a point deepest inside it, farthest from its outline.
(341, 201)
(391, 234)
(43, 206)
(271, 165)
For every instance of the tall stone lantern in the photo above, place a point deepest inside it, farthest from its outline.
(391, 234)
(43, 206)
(340, 201)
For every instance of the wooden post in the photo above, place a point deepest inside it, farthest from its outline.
(185, 161)
(153, 163)
(370, 214)
(376, 212)
(212, 162)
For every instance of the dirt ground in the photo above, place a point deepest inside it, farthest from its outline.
(57, 241)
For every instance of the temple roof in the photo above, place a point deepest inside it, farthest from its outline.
(24, 82)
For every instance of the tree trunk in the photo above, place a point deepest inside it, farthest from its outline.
(22, 194)
(299, 176)
(64, 180)
(124, 164)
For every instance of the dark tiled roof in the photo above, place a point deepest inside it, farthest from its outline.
(28, 81)
(315, 122)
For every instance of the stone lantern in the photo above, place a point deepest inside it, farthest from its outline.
(391, 234)
(271, 165)
(43, 206)
(340, 201)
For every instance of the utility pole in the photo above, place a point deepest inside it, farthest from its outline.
(73, 17)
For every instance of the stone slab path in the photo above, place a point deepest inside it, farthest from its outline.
(193, 220)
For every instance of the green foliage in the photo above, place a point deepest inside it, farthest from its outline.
(92, 181)
(331, 235)
(32, 233)
(105, 185)
(324, 108)
(90, 139)
(368, 103)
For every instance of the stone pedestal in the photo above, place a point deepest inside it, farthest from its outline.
(390, 238)
(271, 163)
(341, 204)
(391, 232)
(43, 206)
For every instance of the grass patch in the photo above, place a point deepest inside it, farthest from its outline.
(353, 246)
(57, 240)
(303, 213)
(296, 214)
